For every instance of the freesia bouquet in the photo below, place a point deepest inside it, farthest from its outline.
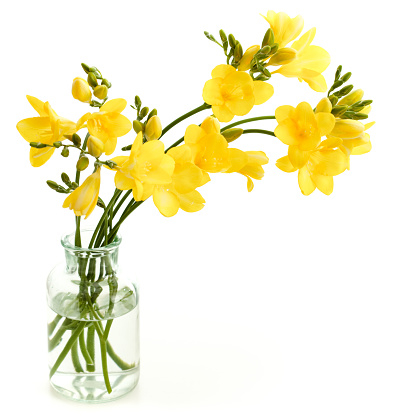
(321, 139)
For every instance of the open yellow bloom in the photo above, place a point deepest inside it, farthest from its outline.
(233, 93)
(180, 193)
(301, 128)
(47, 128)
(310, 62)
(84, 199)
(248, 164)
(81, 90)
(146, 166)
(107, 124)
(209, 148)
(285, 29)
(321, 165)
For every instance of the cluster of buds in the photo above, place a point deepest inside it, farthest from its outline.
(232, 48)
(151, 127)
(346, 104)
(99, 85)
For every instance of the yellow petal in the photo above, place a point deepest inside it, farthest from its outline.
(187, 177)
(326, 122)
(240, 107)
(122, 182)
(283, 112)
(237, 158)
(360, 150)
(324, 183)
(250, 183)
(36, 129)
(40, 156)
(191, 202)
(117, 105)
(138, 191)
(222, 113)
(181, 154)
(166, 201)
(329, 162)
(347, 129)
(324, 106)
(38, 105)
(110, 146)
(262, 92)
(257, 157)
(297, 157)
(211, 92)
(304, 41)
(287, 132)
(247, 57)
(306, 185)
(222, 71)
(285, 165)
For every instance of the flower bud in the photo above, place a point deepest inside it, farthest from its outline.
(57, 144)
(65, 179)
(324, 106)
(138, 126)
(247, 57)
(152, 113)
(86, 68)
(82, 163)
(81, 90)
(95, 146)
(283, 57)
(232, 134)
(268, 38)
(231, 40)
(352, 97)
(38, 145)
(76, 140)
(238, 52)
(101, 91)
(143, 112)
(65, 152)
(106, 82)
(347, 129)
(92, 79)
(153, 129)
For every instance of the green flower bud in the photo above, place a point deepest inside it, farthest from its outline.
(137, 102)
(223, 36)
(86, 68)
(346, 77)
(231, 40)
(338, 73)
(65, 179)
(268, 38)
(38, 145)
(344, 91)
(238, 52)
(101, 91)
(92, 79)
(53, 185)
(106, 82)
(65, 152)
(232, 134)
(333, 99)
(100, 203)
(143, 112)
(138, 126)
(126, 148)
(76, 140)
(82, 163)
(57, 144)
(152, 113)
(339, 109)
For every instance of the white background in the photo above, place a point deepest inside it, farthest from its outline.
(267, 303)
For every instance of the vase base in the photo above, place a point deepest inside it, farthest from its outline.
(90, 388)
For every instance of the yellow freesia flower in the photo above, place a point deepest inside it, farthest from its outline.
(209, 148)
(301, 128)
(81, 90)
(233, 93)
(285, 29)
(107, 124)
(153, 129)
(146, 166)
(84, 199)
(47, 128)
(248, 164)
(321, 165)
(180, 193)
(310, 62)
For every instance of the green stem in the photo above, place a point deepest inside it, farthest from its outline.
(68, 346)
(247, 120)
(104, 365)
(53, 324)
(91, 347)
(196, 110)
(75, 357)
(268, 132)
(103, 217)
(84, 351)
(125, 196)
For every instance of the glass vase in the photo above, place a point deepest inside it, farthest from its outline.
(93, 323)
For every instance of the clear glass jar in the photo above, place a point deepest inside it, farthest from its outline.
(93, 323)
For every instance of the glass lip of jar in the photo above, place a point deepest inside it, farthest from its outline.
(85, 251)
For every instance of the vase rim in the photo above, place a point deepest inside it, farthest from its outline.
(67, 243)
